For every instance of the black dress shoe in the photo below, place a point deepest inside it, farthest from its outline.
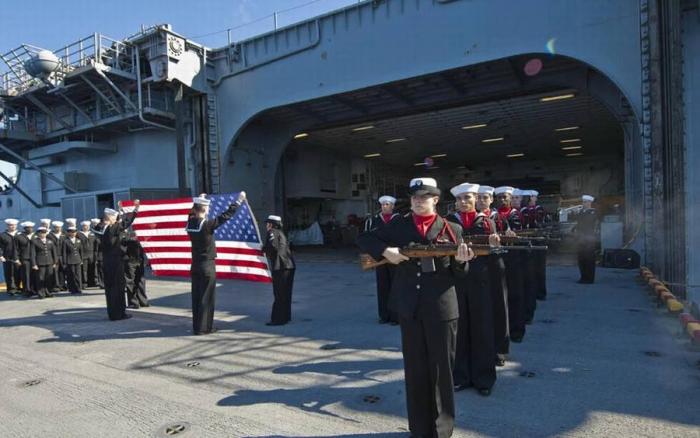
(484, 391)
(127, 316)
(132, 306)
(462, 387)
(500, 362)
(383, 321)
(393, 323)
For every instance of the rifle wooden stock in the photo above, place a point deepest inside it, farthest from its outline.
(443, 250)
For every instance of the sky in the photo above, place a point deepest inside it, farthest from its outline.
(54, 24)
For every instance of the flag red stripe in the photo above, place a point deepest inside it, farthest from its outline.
(219, 262)
(182, 238)
(244, 251)
(130, 203)
(219, 275)
(180, 225)
(153, 213)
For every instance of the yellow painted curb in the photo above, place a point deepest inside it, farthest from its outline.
(674, 306)
(693, 327)
(666, 295)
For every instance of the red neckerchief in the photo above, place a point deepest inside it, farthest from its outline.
(503, 216)
(423, 223)
(467, 218)
(387, 217)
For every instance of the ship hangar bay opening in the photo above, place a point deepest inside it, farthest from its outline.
(561, 128)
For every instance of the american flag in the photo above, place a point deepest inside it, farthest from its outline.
(160, 227)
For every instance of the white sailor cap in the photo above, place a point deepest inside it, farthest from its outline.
(201, 200)
(486, 189)
(57, 224)
(518, 192)
(464, 188)
(11, 221)
(110, 212)
(95, 221)
(532, 193)
(72, 228)
(587, 198)
(41, 228)
(87, 222)
(504, 189)
(423, 186)
(27, 224)
(387, 198)
(71, 220)
(273, 218)
(45, 221)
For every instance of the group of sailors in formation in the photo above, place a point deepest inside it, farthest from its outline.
(44, 260)
(458, 315)
(104, 253)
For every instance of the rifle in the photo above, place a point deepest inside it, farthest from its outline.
(416, 251)
(506, 240)
(550, 235)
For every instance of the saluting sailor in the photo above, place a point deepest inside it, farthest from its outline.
(112, 231)
(282, 265)
(385, 273)
(203, 269)
(98, 272)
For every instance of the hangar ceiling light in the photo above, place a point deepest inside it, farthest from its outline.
(363, 128)
(395, 140)
(555, 98)
(480, 125)
(515, 155)
(301, 135)
(438, 156)
(373, 155)
(570, 140)
(491, 140)
(568, 128)
(577, 154)
(571, 148)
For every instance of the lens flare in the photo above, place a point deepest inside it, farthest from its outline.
(533, 67)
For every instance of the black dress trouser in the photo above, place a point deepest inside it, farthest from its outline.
(516, 294)
(530, 287)
(385, 275)
(429, 355)
(114, 287)
(26, 274)
(586, 262)
(74, 278)
(11, 272)
(499, 300)
(475, 362)
(282, 284)
(203, 296)
(135, 284)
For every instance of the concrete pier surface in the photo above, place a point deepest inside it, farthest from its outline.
(599, 360)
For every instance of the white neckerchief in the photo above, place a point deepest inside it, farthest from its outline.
(11, 233)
